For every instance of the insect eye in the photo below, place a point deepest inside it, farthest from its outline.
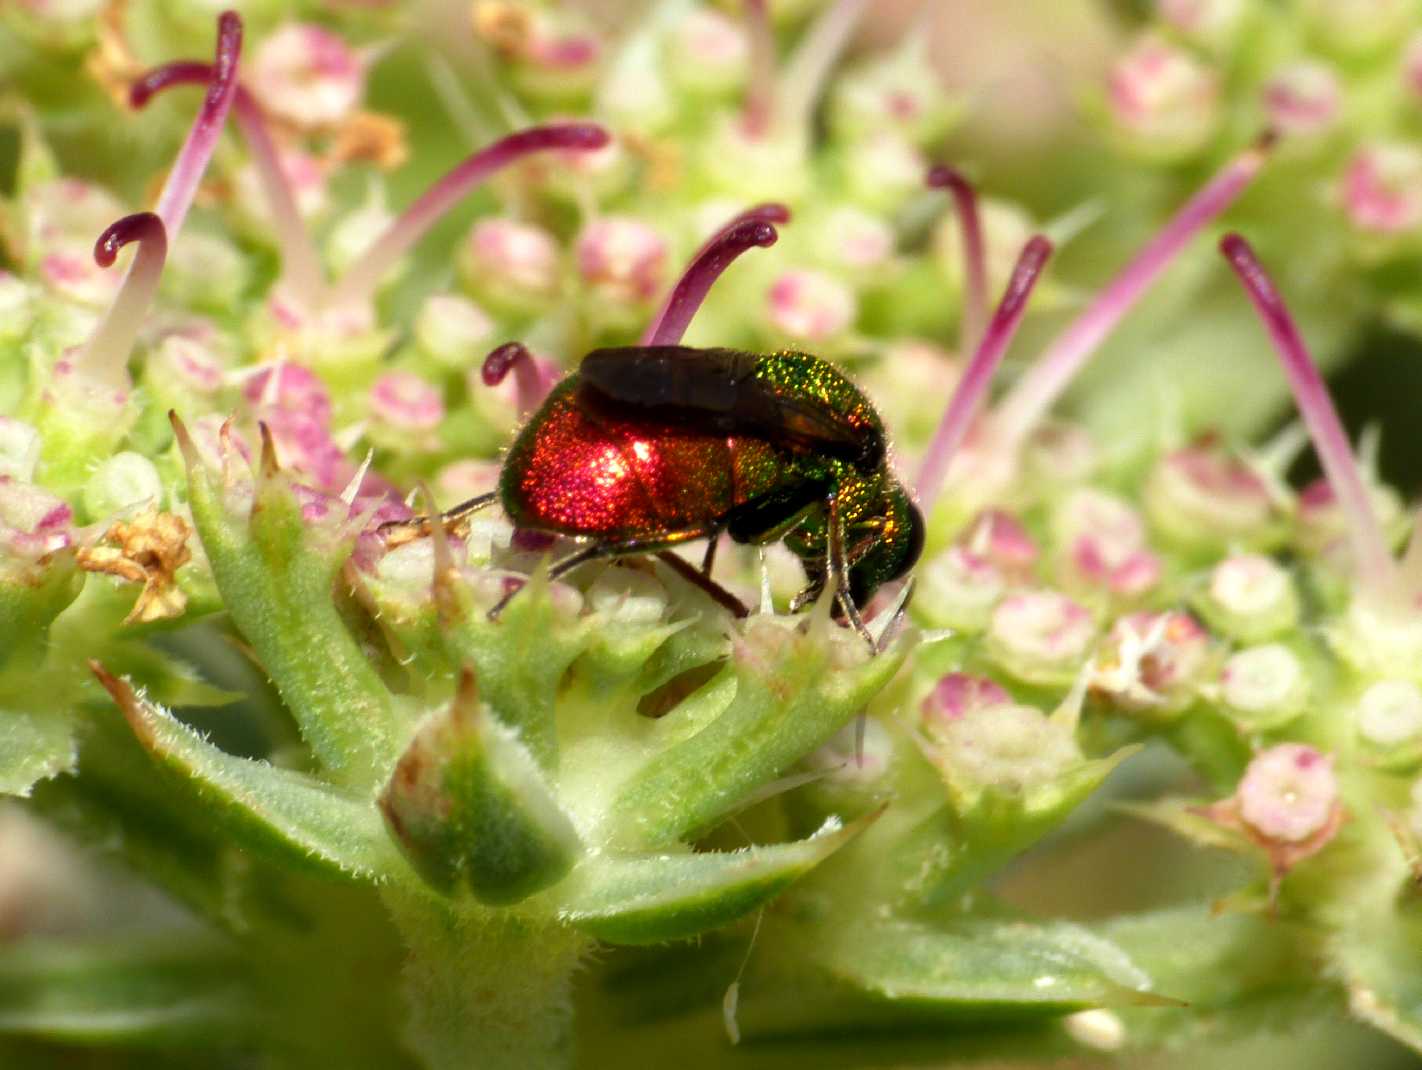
(912, 540)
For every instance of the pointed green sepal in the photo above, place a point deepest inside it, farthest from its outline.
(521, 658)
(277, 573)
(794, 690)
(468, 805)
(280, 814)
(653, 899)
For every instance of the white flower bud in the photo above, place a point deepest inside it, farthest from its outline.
(1264, 686)
(121, 482)
(1389, 713)
(1040, 636)
(19, 450)
(1249, 597)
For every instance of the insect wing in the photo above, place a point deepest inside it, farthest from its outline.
(713, 391)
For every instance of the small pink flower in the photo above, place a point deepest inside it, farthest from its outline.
(1040, 636)
(1152, 661)
(1303, 98)
(999, 537)
(810, 306)
(1289, 793)
(1106, 540)
(1163, 96)
(307, 75)
(1205, 493)
(1287, 802)
(33, 522)
(403, 401)
(710, 52)
(460, 480)
(511, 259)
(186, 361)
(958, 693)
(1201, 18)
(290, 388)
(69, 270)
(1381, 188)
(622, 258)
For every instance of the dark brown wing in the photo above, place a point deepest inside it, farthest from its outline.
(712, 391)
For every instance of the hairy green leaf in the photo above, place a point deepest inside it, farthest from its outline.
(288, 816)
(650, 899)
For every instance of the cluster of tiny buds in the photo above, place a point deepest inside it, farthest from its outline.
(1167, 95)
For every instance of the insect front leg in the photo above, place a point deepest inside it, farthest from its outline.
(838, 574)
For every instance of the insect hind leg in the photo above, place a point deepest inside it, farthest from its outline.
(627, 548)
(559, 569)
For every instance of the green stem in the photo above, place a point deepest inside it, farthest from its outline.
(486, 988)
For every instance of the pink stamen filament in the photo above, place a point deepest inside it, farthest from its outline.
(360, 282)
(301, 266)
(760, 90)
(531, 381)
(970, 227)
(1045, 381)
(748, 230)
(182, 183)
(1375, 564)
(808, 70)
(973, 387)
(104, 357)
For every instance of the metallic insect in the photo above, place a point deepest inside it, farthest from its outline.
(645, 448)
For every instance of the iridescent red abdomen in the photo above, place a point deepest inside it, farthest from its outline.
(580, 472)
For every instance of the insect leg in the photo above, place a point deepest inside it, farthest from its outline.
(468, 508)
(420, 525)
(559, 569)
(839, 572)
(700, 579)
(710, 558)
(626, 548)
